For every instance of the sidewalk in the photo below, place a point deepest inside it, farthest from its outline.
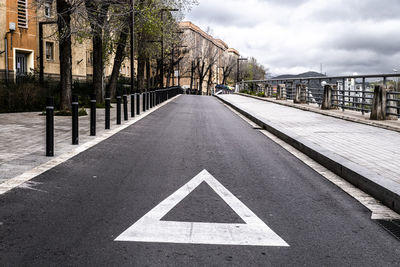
(22, 142)
(367, 156)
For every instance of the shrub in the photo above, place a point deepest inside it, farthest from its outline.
(261, 94)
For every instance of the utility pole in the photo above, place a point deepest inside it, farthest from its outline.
(132, 50)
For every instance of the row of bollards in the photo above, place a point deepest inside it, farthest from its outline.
(149, 100)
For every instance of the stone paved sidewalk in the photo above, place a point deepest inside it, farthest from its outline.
(371, 150)
(22, 138)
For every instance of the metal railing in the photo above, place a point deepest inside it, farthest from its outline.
(353, 92)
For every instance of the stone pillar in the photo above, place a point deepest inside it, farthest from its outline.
(327, 100)
(378, 111)
(300, 97)
(281, 92)
(269, 90)
(335, 99)
(391, 103)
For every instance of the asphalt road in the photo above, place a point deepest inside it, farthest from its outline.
(75, 211)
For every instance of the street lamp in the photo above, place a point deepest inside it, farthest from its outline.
(132, 50)
(162, 43)
(41, 49)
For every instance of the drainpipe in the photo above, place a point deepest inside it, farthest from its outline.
(6, 53)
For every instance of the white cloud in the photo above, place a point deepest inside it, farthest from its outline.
(292, 36)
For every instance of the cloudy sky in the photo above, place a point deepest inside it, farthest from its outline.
(294, 36)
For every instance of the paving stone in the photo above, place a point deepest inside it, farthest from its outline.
(376, 149)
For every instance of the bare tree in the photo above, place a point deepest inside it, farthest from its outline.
(207, 56)
(228, 65)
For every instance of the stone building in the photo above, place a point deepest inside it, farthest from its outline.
(202, 46)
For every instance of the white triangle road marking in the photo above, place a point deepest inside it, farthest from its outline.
(150, 228)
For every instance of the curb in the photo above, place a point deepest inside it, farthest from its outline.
(326, 113)
(14, 182)
(371, 183)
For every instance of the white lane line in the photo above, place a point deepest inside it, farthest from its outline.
(378, 210)
(28, 175)
(150, 228)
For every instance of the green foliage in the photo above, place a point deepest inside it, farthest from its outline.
(62, 113)
(261, 94)
(82, 112)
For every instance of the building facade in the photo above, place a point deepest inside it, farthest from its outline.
(18, 26)
(206, 49)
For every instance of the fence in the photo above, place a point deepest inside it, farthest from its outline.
(355, 92)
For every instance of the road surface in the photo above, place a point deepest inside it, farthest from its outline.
(213, 173)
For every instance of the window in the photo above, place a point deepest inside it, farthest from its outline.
(47, 10)
(49, 51)
(89, 58)
(22, 14)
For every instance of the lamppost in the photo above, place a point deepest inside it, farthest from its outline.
(162, 43)
(132, 50)
(41, 49)
(237, 72)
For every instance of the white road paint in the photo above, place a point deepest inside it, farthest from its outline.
(150, 228)
(28, 175)
(378, 210)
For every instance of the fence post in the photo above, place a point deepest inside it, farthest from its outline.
(378, 111)
(93, 115)
(75, 120)
(50, 127)
(118, 109)
(107, 110)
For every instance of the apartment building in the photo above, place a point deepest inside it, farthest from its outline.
(18, 26)
(202, 46)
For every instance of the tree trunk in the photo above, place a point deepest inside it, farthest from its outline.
(119, 58)
(140, 73)
(64, 28)
(191, 76)
(209, 82)
(148, 74)
(98, 67)
(97, 15)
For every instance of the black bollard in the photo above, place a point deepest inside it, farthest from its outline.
(93, 115)
(125, 106)
(50, 127)
(148, 100)
(144, 101)
(107, 111)
(75, 120)
(138, 103)
(132, 105)
(118, 109)
(151, 99)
